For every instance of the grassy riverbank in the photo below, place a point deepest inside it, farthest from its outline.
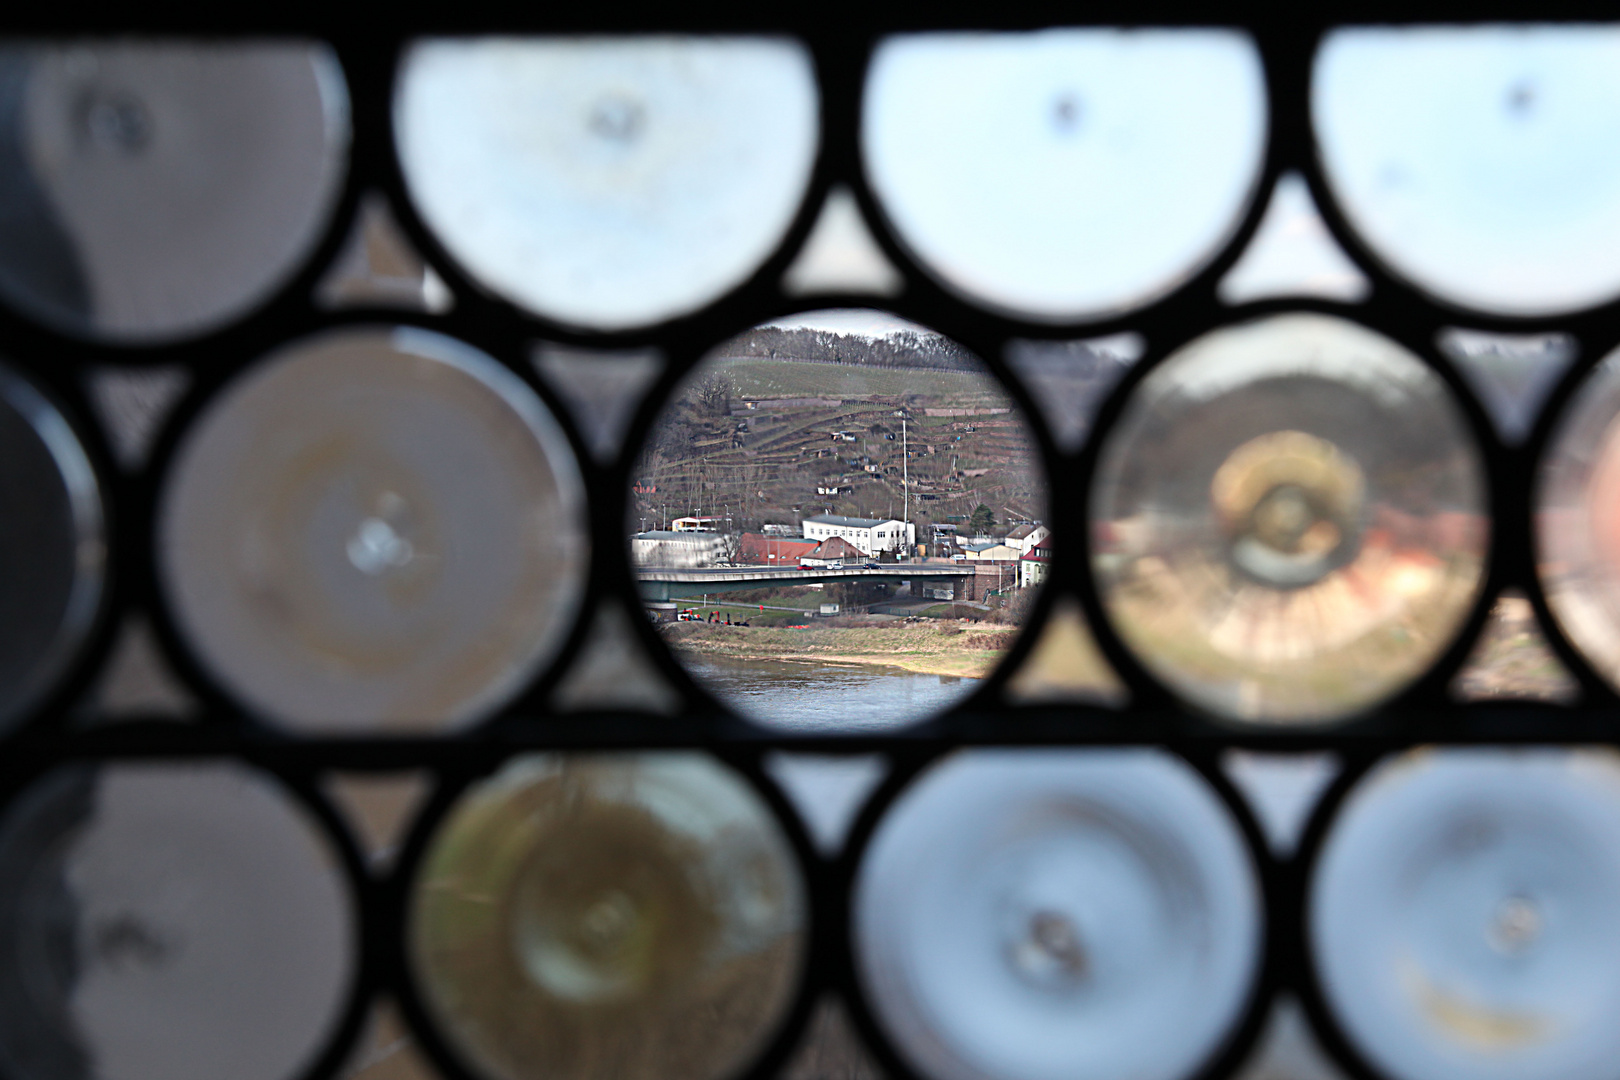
(932, 648)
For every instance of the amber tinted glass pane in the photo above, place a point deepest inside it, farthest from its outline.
(635, 915)
(1289, 521)
(1577, 523)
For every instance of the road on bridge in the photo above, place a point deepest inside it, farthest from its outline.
(664, 582)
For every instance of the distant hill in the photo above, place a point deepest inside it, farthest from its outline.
(901, 349)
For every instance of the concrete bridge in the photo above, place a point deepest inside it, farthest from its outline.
(668, 583)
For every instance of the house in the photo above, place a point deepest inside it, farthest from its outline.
(1035, 564)
(679, 550)
(994, 551)
(766, 549)
(1025, 537)
(870, 535)
(833, 550)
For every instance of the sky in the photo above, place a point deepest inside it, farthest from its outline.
(863, 321)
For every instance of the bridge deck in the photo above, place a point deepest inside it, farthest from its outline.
(664, 583)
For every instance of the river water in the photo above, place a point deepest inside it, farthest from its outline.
(815, 696)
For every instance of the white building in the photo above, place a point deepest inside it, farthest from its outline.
(677, 550)
(1025, 537)
(995, 551)
(694, 524)
(870, 535)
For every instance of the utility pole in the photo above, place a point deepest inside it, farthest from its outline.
(905, 490)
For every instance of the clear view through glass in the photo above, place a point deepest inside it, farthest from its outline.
(837, 522)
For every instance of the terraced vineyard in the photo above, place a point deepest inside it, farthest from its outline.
(754, 438)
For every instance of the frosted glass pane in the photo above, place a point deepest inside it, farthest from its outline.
(1482, 163)
(154, 190)
(1069, 173)
(167, 921)
(374, 530)
(52, 545)
(639, 916)
(608, 183)
(1465, 915)
(1057, 915)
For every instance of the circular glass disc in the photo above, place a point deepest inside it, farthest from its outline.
(796, 507)
(157, 190)
(608, 183)
(1578, 520)
(1078, 914)
(1288, 521)
(637, 915)
(161, 920)
(1066, 173)
(52, 547)
(1482, 163)
(374, 529)
(1465, 915)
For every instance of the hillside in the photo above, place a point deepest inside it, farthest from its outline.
(754, 437)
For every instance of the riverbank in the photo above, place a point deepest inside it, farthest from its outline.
(933, 648)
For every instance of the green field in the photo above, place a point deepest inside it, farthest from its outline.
(756, 378)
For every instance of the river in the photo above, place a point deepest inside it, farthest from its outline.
(816, 696)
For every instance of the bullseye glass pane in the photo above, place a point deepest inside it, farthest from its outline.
(52, 545)
(1289, 521)
(184, 921)
(1029, 915)
(1482, 163)
(608, 183)
(837, 522)
(639, 916)
(1068, 173)
(153, 190)
(1465, 915)
(374, 530)
(1578, 520)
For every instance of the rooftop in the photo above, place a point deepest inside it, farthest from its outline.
(836, 547)
(849, 522)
